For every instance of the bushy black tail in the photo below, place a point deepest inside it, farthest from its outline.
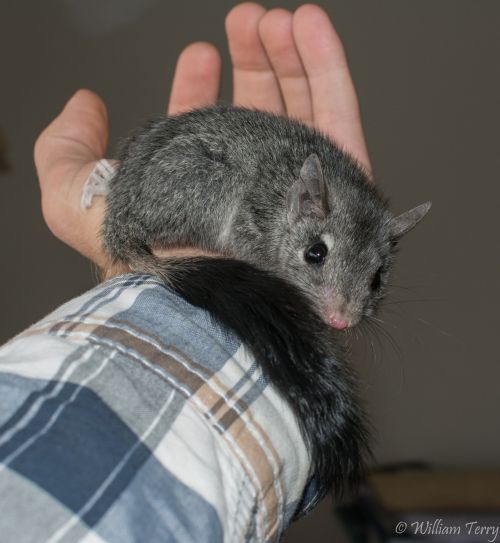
(295, 349)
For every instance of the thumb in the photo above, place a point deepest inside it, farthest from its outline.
(78, 135)
(65, 153)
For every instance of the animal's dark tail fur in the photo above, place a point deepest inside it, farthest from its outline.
(295, 349)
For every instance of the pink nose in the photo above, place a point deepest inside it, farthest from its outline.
(339, 324)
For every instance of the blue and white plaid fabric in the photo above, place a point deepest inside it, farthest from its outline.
(127, 416)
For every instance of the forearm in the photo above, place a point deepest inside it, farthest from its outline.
(127, 412)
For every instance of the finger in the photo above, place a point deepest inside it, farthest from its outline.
(276, 33)
(335, 104)
(197, 78)
(254, 81)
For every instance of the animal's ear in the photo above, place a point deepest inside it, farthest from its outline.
(309, 194)
(406, 221)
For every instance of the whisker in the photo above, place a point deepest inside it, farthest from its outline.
(382, 333)
(433, 326)
(414, 300)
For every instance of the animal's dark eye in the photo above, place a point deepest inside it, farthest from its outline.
(377, 279)
(316, 253)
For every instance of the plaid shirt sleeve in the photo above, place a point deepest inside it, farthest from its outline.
(127, 415)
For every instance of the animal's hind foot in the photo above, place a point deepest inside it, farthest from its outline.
(97, 183)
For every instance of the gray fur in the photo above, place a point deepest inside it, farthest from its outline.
(259, 188)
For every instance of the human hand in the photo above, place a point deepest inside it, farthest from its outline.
(67, 151)
(294, 64)
(288, 63)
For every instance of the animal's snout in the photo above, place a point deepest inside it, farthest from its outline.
(338, 322)
(337, 311)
